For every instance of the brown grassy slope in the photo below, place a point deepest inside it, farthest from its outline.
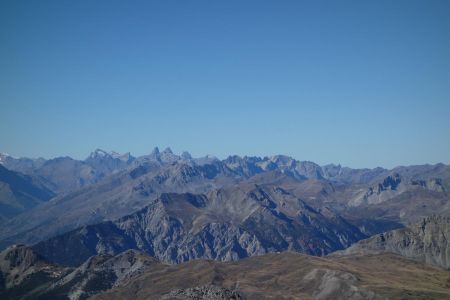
(297, 276)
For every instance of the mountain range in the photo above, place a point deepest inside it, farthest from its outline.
(175, 209)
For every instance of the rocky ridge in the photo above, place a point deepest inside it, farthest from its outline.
(26, 275)
(207, 292)
(426, 241)
(226, 224)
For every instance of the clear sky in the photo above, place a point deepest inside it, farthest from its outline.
(361, 83)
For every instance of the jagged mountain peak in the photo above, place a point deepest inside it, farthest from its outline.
(100, 153)
(186, 155)
(282, 159)
(155, 151)
(165, 156)
(168, 150)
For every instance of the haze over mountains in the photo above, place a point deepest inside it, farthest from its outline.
(177, 208)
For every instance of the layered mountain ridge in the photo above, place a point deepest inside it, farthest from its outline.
(226, 224)
(114, 185)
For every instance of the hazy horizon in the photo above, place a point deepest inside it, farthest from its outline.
(361, 84)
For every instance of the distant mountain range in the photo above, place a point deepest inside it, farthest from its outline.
(108, 186)
(177, 208)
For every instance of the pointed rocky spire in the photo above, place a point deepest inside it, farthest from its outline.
(155, 152)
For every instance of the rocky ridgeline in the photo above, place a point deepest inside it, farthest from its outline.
(426, 241)
(225, 225)
(26, 275)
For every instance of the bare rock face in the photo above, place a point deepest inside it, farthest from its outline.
(426, 241)
(208, 292)
(433, 184)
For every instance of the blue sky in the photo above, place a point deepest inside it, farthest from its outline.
(361, 83)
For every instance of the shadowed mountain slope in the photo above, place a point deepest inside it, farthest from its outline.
(19, 192)
(374, 200)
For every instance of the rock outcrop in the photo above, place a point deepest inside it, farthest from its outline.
(426, 241)
(26, 275)
(207, 292)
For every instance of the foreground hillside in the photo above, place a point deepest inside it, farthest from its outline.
(288, 275)
(296, 276)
